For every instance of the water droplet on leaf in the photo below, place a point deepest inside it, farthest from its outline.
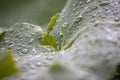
(78, 19)
(25, 51)
(65, 24)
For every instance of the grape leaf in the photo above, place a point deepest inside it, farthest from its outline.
(94, 53)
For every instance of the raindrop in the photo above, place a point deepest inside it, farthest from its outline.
(50, 57)
(5, 38)
(96, 24)
(34, 51)
(25, 51)
(32, 66)
(24, 45)
(61, 33)
(78, 19)
(19, 44)
(115, 13)
(65, 24)
(104, 3)
(11, 45)
(39, 64)
(2, 49)
(53, 53)
(92, 20)
(16, 59)
(38, 29)
(117, 19)
(31, 40)
(11, 29)
(74, 5)
(80, 2)
(6, 41)
(93, 7)
(116, 3)
(88, 1)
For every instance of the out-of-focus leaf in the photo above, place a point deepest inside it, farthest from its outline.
(56, 67)
(2, 31)
(8, 65)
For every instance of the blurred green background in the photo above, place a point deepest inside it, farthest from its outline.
(36, 12)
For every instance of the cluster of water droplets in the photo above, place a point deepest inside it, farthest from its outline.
(98, 17)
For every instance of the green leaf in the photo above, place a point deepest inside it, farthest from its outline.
(56, 67)
(8, 65)
(50, 41)
(2, 31)
(93, 33)
(52, 22)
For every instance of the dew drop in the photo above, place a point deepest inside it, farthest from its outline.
(34, 51)
(19, 44)
(61, 33)
(38, 29)
(6, 41)
(5, 38)
(74, 5)
(53, 53)
(16, 59)
(115, 13)
(104, 3)
(11, 29)
(93, 7)
(65, 24)
(80, 2)
(96, 24)
(50, 57)
(116, 3)
(32, 66)
(78, 19)
(2, 49)
(11, 45)
(88, 1)
(39, 64)
(117, 19)
(31, 40)
(25, 51)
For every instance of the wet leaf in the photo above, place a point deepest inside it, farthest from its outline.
(90, 35)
